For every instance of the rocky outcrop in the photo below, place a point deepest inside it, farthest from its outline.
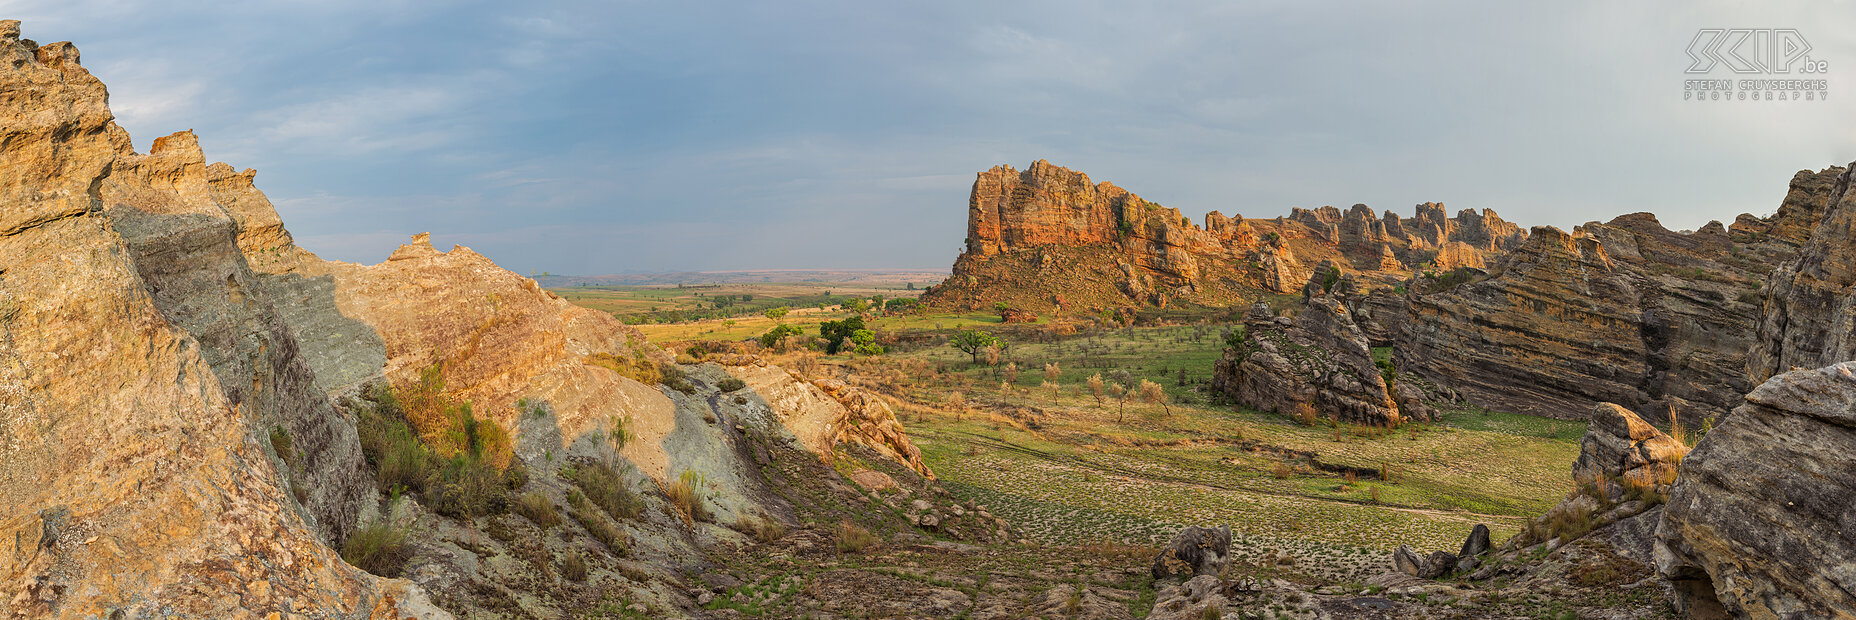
(1758, 524)
(142, 374)
(1194, 551)
(1048, 232)
(1808, 318)
(1318, 360)
(1625, 311)
(1621, 451)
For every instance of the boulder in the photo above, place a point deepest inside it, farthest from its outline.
(1194, 551)
(1406, 561)
(1476, 544)
(1758, 525)
(1190, 600)
(1621, 448)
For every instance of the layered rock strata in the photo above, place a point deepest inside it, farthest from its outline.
(1048, 234)
(1317, 361)
(1808, 318)
(1625, 311)
(141, 375)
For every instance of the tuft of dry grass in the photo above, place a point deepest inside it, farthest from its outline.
(761, 529)
(853, 538)
(688, 495)
(573, 567)
(538, 508)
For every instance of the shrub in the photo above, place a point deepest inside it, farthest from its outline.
(1281, 471)
(675, 378)
(378, 548)
(538, 508)
(730, 384)
(773, 337)
(687, 494)
(280, 441)
(606, 489)
(853, 538)
(836, 333)
(464, 488)
(573, 567)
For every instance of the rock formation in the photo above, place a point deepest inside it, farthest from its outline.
(141, 372)
(1624, 312)
(1808, 314)
(1758, 524)
(180, 384)
(1049, 232)
(1622, 451)
(1194, 551)
(1319, 360)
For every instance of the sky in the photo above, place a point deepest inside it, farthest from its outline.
(626, 136)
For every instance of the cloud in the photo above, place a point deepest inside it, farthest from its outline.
(591, 136)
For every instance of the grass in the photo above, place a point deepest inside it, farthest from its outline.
(605, 488)
(378, 547)
(538, 508)
(467, 482)
(689, 495)
(582, 511)
(853, 538)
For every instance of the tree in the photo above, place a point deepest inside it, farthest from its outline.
(1011, 372)
(1095, 387)
(1153, 394)
(776, 313)
(973, 342)
(958, 402)
(864, 342)
(779, 332)
(837, 333)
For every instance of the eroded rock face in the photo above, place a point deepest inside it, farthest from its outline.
(1195, 551)
(1808, 314)
(1624, 312)
(1758, 525)
(1317, 360)
(134, 471)
(1049, 232)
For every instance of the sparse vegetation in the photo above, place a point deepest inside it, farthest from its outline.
(538, 508)
(853, 538)
(605, 488)
(689, 494)
(378, 547)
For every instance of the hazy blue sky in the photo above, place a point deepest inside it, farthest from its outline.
(598, 137)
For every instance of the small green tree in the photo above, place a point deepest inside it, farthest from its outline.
(837, 333)
(973, 342)
(776, 313)
(781, 331)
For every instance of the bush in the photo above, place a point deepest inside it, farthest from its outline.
(606, 489)
(675, 378)
(853, 538)
(973, 342)
(688, 494)
(730, 384)
(378, 548)
(836, 333)
(280, 441)
(538, 508)
(779, 332)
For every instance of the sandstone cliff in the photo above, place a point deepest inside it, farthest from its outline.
(1048, 238)
(1808, 312)
(139, 375)
(180, 384)
(1624, 311)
